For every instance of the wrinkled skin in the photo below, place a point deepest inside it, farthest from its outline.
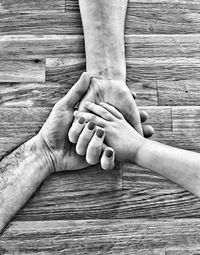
(116, 93)
(54, 132)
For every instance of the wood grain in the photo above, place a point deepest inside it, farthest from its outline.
(48, 93)
(32, 46)
(163, 69)
(102, 237)
(186, 119)
(180, 93)
(138, 202)
(23, 6)
(163, 17)
(41, 46)
(138, 70)
(143, 17)
(49, 23)
(22, 71)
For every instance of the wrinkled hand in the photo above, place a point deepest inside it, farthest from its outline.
(116, 93)
(54, 132)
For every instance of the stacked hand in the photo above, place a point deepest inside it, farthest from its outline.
(64, 154)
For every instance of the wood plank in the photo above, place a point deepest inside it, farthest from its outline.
(47, 23)
(102, 236)
(41, 46)
(22, 71)
(183, 252)
(143, 17)
(23, 6)
(138, 70)
(32, 94)
(48, 93)
(163, 69)
(179, 93)
(139, 202)
(137, 46)
(145, 46)
(186, 119)
(163, 17)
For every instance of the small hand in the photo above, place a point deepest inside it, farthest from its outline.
(89, 142)
(120, 135)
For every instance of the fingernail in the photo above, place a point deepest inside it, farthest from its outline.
(109, 153)
(100, 133)
(91, 125)
(81, 120)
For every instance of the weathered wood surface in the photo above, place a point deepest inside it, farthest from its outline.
(41, 57)
(137, 46)
(34, 6)
(182, 92)
(162, 237)
(22, 71)
(143, 17)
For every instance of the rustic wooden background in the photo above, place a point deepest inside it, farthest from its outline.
(125, 211)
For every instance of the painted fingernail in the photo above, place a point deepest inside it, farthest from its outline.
(109, 153)
(91, 125)
(81, 120)
(100, 133)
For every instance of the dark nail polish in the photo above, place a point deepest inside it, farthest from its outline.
(100, 133)
(81, 120)
(91, 125)
(109, 153)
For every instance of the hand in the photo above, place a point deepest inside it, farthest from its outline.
(120, 135)
(116, 93)
(54, 133)
(89, 142)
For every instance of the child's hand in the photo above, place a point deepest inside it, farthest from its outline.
(120, 135)
(89, 141)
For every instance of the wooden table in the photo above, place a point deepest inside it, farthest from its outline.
(129, 210)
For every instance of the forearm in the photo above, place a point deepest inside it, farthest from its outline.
(21, 174)
(180, 166)
(103, 23)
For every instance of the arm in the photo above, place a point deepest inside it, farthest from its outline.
(180, 166)
(103, 23)
(21, 174)
(49, 151)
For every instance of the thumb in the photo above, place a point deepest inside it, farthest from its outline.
(76, 93)
(134, 119)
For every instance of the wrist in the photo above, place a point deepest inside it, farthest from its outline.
(140, 151)
(43, 153)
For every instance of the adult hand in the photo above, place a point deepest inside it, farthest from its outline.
(54, 132)
(116, 93)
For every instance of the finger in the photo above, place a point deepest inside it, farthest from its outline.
(76, 129)
(85, 137)
(112, 110)
(76, 92)
(90, 117)
(134, 94)
(99, 110)
(148, 131)
(134, 118)
(94, 149)
(143, 116)
(107, 159)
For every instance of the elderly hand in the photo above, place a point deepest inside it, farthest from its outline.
(54, 133)
(116, 93)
